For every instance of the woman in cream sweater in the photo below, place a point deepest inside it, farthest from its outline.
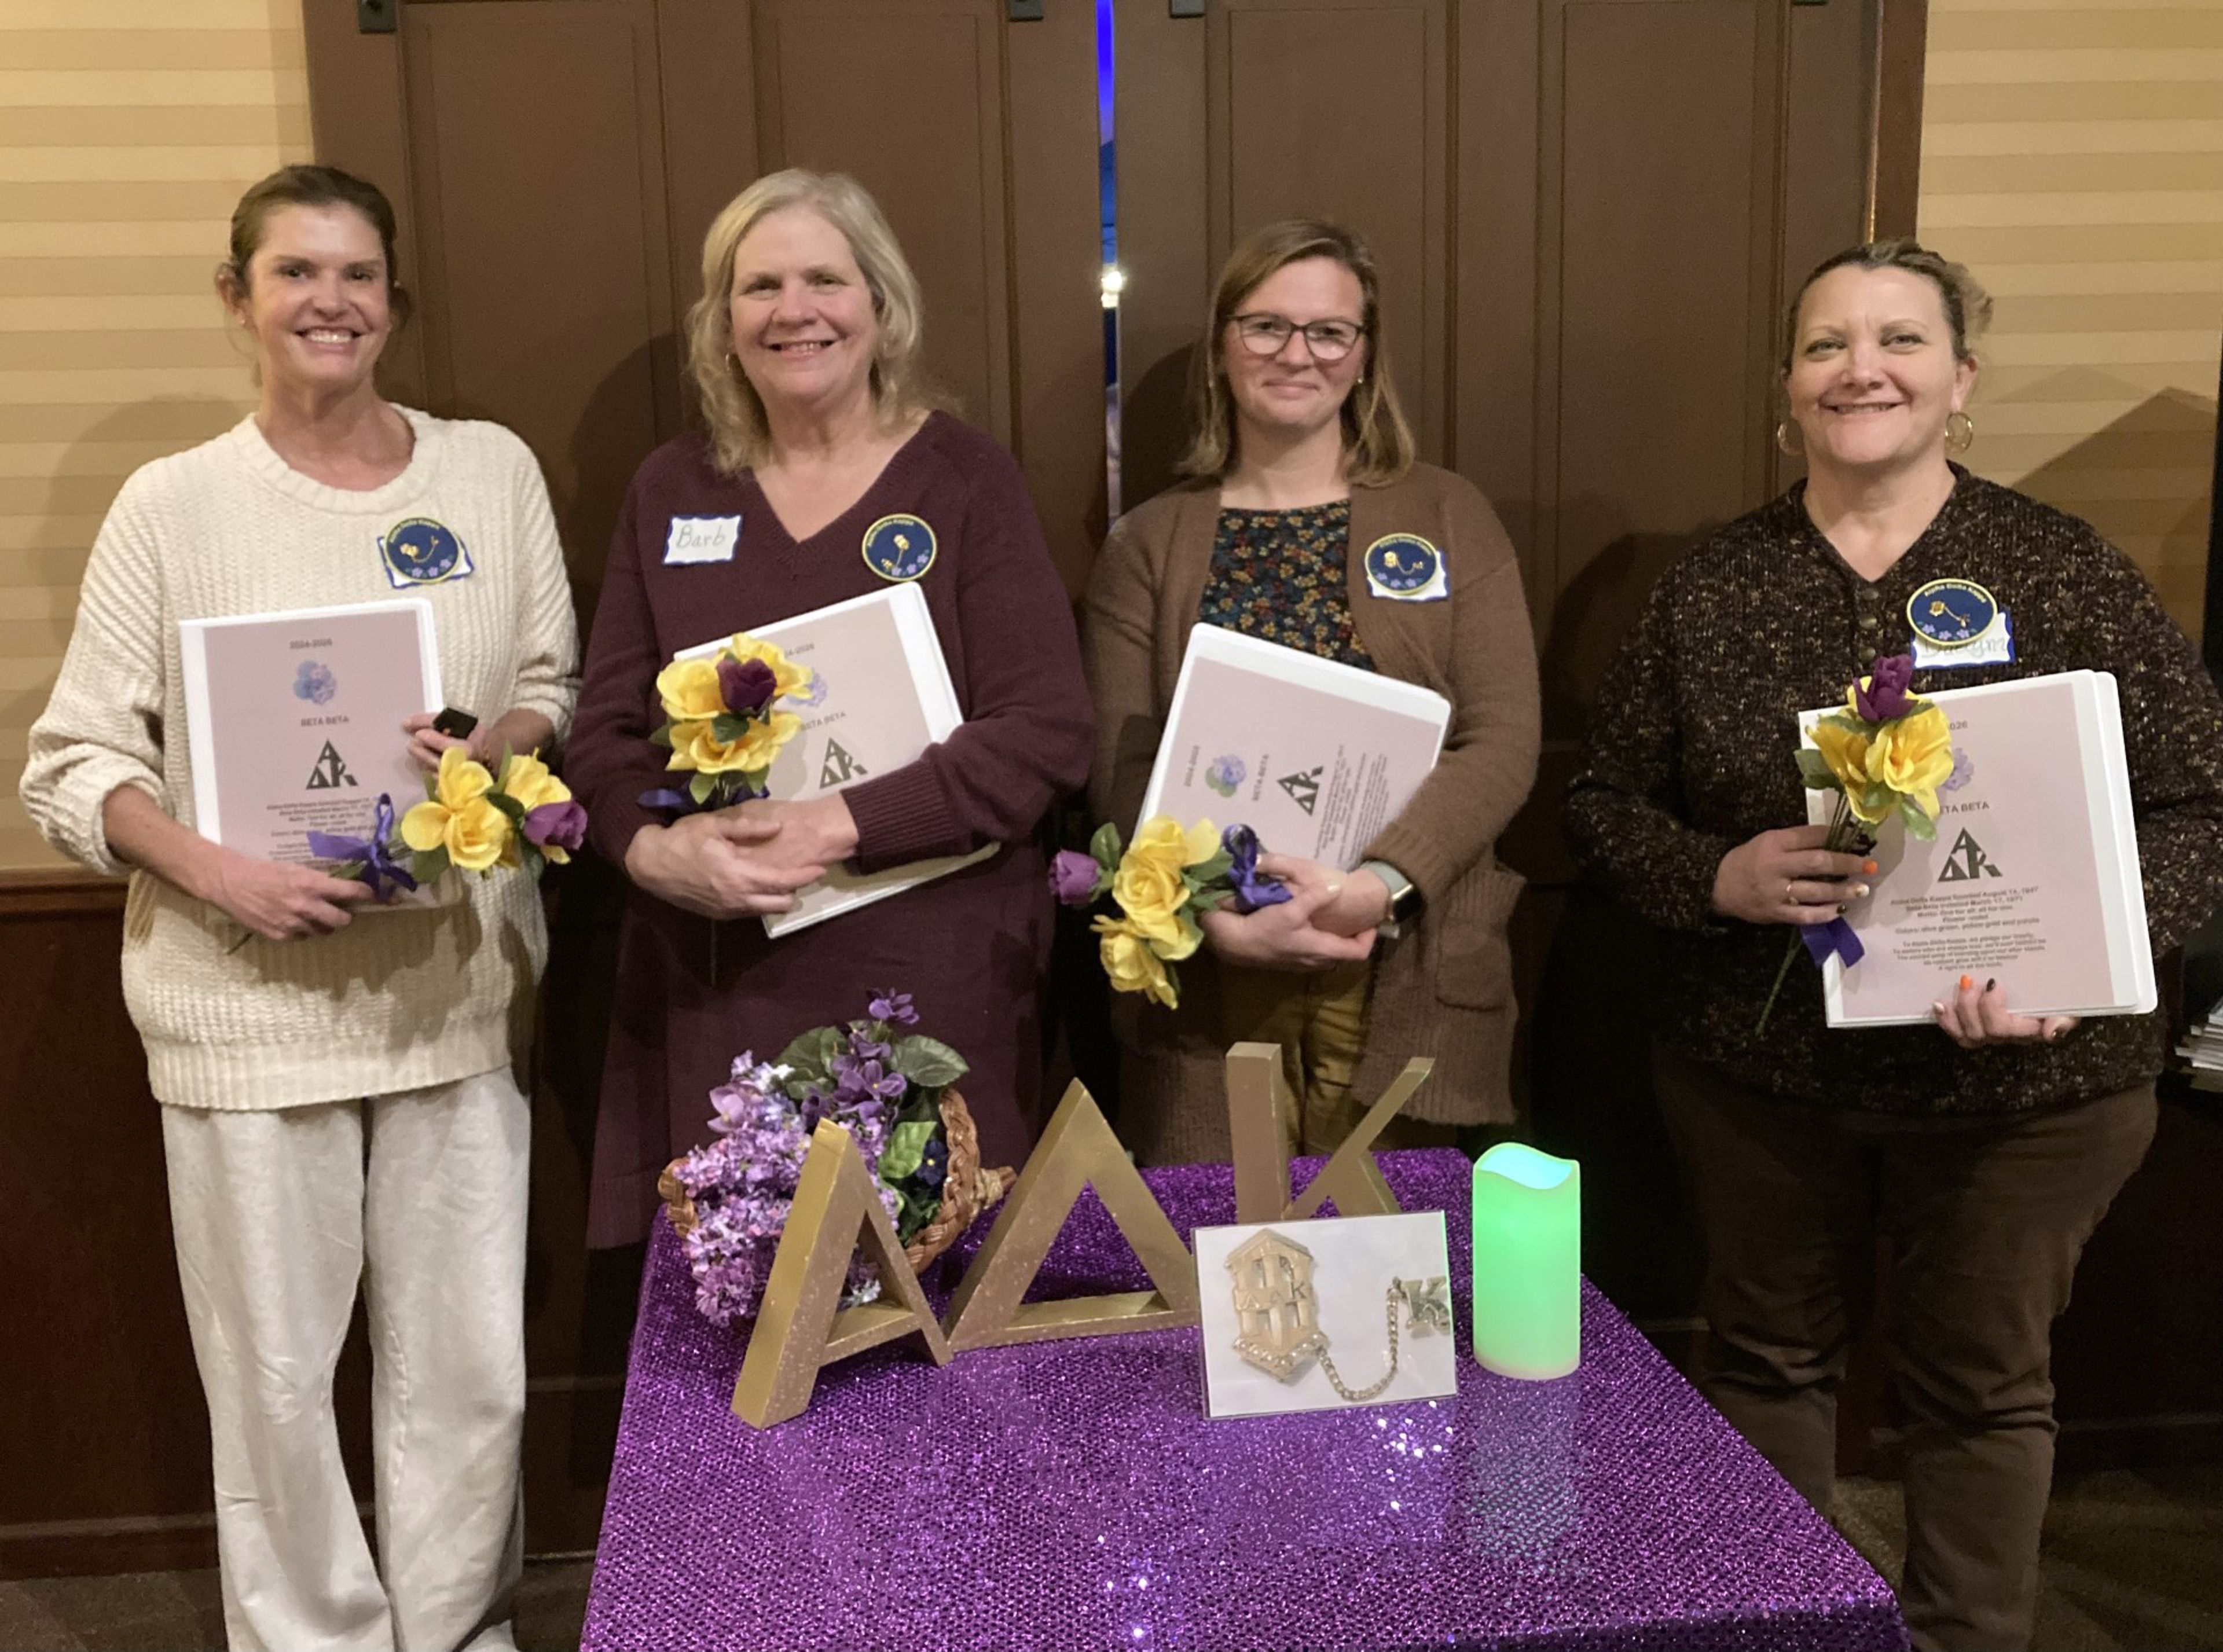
(1309, 524)
(337, 1099)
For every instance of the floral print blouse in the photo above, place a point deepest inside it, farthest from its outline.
(1281, 576)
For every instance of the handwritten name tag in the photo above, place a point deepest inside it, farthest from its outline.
(701, 539)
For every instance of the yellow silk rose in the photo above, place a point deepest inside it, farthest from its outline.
(1151, 895)
(459, 817)
(527, 780)
(478, 835)
(788, 678)
(1163, 841)
(1913, 757)
(695, 746)
(1130, 963)
(688, 690)
(1846, 751)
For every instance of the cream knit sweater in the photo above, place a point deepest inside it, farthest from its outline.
(397, 1000)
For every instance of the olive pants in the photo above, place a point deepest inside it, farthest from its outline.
(1320, 1021)
(1983, 1224)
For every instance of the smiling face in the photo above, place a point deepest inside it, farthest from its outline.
(804, 328)
(1873, 372)
(1292, 392)
(317, 298)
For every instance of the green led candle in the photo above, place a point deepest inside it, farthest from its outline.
(1528, 1262)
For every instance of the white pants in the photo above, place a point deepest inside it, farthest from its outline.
(420, 1195)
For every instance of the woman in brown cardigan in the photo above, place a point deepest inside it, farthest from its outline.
(1301, 462)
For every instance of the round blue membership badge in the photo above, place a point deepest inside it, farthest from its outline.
(1402, 564)
(421, 551)
(899, 547)
(1952, 613)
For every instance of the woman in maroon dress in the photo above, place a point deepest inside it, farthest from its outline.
(804, 349)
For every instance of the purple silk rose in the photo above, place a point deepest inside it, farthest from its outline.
(1073, 877)
(1883, 694)
(1253, 889)
(563, 825)
(746, 686)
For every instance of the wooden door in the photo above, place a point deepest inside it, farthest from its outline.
(555, 164)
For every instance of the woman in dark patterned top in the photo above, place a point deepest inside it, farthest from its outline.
(1301, 462)
(1984, 1149)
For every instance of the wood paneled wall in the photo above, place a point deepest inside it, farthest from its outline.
(2072, 155)
(128, 129)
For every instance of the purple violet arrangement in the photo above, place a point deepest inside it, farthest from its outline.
(884, 1086)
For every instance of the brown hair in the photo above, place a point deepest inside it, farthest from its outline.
(1376, 438)
(1967, 306)
(736, 413)
(304, 186)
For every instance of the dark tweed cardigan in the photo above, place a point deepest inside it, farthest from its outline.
(1692, 754)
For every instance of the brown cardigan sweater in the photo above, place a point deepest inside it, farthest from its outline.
(1691, 754)
(1444, 989)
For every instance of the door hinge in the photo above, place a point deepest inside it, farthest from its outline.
(376, 17)
(1184, 8)
(1023, 11)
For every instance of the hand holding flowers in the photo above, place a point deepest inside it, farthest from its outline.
(1162, 883)
(471, 819)
(1884, 756)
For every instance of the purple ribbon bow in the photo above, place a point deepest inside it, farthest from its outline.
(379, 866)
(1834, 937)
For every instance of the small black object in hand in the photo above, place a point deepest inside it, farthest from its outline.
(457, 725)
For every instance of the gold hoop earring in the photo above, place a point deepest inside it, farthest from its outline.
(1961, 439)
(1791, 439)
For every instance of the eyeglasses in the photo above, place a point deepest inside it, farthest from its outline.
(1265, 334)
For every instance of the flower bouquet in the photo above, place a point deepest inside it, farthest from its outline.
(472, 818)
(728, 1200)
(1885, 755)
(719, 722)
(1160, 882)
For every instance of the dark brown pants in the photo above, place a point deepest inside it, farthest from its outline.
(1983, 1226)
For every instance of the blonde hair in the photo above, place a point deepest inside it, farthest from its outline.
(738, 434)
(1376, 438)
(1967, 306)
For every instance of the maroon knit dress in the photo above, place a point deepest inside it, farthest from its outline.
(970, 947)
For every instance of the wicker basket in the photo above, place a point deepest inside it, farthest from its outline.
(966, 1191)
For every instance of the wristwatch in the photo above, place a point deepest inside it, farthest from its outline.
(1404, 897)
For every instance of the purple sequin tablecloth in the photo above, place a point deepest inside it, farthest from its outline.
(1072, 1495)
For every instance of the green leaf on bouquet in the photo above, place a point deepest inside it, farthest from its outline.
(810, 1058)
(1104, 846)
(1919, 824)
(426, 865)
(701, 787)
(927, 1061)
(1814, 769)
(725, 728)
(906, 1150)
(1209, 900)
(662, 736)
(509, 807)
(1186, 919)
(1205, 871)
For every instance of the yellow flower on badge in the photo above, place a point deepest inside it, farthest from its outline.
(1913, 757)
(787, 677)
(1846, 751)
(458, 816)
(688, 690)
(1130, 963)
